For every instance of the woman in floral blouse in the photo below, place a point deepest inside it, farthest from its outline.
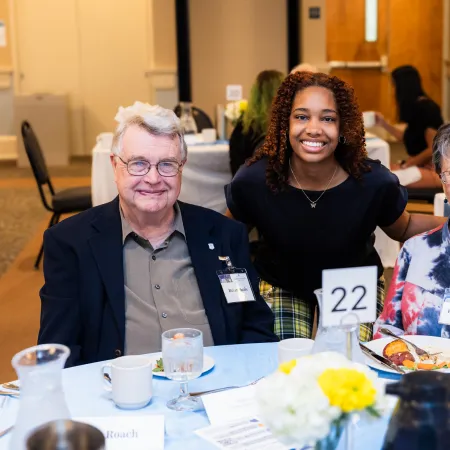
(421, 278)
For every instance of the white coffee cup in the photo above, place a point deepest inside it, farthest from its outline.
(209, 135)
(369, 119)
(294, 348)
(131, 381)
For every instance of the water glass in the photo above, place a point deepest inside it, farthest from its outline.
(182, 354)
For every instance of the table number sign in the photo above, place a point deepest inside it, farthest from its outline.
(234, 92)
(349, 295)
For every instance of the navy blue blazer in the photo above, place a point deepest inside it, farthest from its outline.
(83, 298)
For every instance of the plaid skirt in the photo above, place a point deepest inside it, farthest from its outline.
(294, 317)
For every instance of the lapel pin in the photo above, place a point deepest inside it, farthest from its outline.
(211, 246)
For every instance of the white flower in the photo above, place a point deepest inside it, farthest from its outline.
(145, 110)
(294, 406)
(234, 110)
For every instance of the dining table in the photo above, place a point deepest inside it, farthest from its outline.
(235, 365)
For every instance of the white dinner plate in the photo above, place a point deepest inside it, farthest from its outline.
(431, 344)
(208, 364)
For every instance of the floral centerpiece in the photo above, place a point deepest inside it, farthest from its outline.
(309, 401)
(234, 110)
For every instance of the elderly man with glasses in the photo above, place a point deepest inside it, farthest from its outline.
(120, 274)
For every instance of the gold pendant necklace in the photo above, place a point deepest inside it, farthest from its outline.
(312, 203)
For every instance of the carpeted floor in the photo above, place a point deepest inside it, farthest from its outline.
(21, 207)
(21, 214)
(79, 167)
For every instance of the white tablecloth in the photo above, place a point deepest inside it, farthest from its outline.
(207, 171)
(235, 365)
(439, 204)
(386, 247)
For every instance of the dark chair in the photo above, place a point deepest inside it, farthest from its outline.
(426, 195)
(63, 202)
(202, 119)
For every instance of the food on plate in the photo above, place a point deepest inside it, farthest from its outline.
(159, 365)
(403, 354)
(401, 357)
(394, 347)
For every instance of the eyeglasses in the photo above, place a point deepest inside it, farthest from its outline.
(142, 167)
(445, 176)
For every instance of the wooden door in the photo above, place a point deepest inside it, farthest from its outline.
(409, 32)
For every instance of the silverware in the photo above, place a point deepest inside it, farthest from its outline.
(6, 431)
(107, 377)
(213, 391)
(10, 386)
(12, 394)
(380, 359)
(419, 351)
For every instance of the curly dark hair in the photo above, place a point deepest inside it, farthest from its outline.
(277, 149)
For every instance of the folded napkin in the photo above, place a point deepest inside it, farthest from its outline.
(408, 176)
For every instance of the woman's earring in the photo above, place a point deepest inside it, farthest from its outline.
(342, 140)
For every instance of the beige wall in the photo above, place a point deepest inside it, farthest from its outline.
(164, 34)
(6, 80)
(5, 52)
(313, 35)
(47, 56)
(103, 54)
(231, 42)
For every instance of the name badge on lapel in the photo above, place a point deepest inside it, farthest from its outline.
(235, 283)
(444, 317)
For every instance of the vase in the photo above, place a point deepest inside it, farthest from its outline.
(341, 339)
(341, 434)
(187, 118)
(331, 441)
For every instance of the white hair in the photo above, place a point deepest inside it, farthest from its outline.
(154, 119)
(441, 146)
(305, 67)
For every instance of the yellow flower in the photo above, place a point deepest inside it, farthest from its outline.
(286, 367)
(347, 389)
(243, 105)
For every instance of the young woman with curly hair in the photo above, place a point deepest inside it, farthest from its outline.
(316, 198)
